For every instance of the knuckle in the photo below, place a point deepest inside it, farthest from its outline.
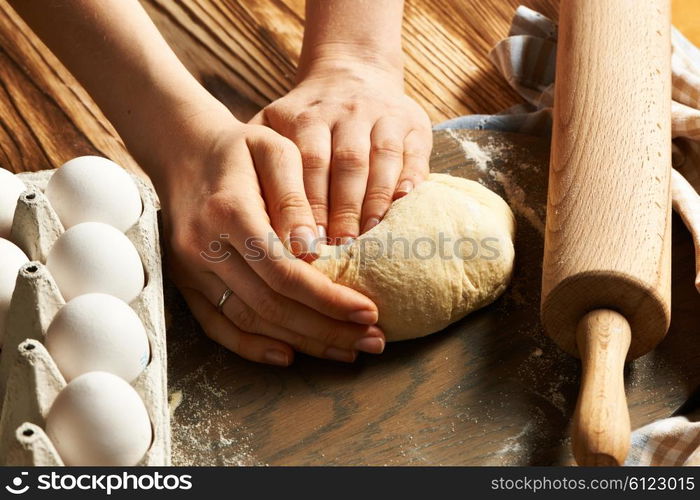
(280, 151)
(351, 106)
(388, 148)
(349, 158)
(303, 344)
(245, 319)
(305, 118)
(379, 195)
(419, 146)
(219, 207)
(318, 204)
(267, 307)
(313, 159)
(277, 111)
(417, 153)
(291, 202)
(295, 340)
(328, 337)
(345, 224)
(284, 279)
(345, 212)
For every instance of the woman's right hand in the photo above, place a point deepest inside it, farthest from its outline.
(236, 216)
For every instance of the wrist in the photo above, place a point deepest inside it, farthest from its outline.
(349, 59)
(170, 141)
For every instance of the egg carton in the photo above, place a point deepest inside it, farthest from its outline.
(29, 377)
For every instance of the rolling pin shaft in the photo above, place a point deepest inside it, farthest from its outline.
(607, 238)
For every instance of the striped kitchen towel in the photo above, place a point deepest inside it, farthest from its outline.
(527, 59)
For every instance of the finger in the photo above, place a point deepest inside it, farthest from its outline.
(260, 118)
(245, 318)
(248, 320)
(349, 172)
(386, 162)
(416, 160)
(314, 143)
(280, 173)
(247, 345)
(285, 312)
(253, 237)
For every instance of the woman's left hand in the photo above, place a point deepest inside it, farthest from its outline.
(363, 142)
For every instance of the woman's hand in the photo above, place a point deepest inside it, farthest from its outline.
(363, 142)
(223, 179)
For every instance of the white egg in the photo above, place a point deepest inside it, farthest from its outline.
(10, 189)
(93, 257)
(98, 332)
(94, 189)
(98, 419)
(11, 259)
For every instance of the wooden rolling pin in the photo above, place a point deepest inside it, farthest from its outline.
(606, 269)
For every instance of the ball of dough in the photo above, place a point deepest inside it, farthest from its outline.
(441, 252)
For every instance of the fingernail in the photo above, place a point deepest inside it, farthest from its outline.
(371, 222)
(346, 240)
(275, 357)
(322, 236)
(303, 241)
(372, 345)
(340, 354)
(364, 317)
(404, 188)
(374, 331)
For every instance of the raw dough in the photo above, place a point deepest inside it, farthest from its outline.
(451, 253)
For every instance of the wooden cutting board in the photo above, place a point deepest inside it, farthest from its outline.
(489, 390)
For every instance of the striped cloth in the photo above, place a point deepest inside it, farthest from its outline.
(526, 59)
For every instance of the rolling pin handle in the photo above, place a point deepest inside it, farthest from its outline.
(601, 426)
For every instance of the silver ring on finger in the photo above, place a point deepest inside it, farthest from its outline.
(224, 297)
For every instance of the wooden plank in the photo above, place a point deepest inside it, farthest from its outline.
(46, 117)
(245, 53)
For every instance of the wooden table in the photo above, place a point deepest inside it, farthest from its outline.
(489, 390)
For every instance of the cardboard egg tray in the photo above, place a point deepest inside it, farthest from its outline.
(29, 378)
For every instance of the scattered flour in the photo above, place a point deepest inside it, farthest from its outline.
(513, 446)
(515, 195)
(472, 151)
(202, 432)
